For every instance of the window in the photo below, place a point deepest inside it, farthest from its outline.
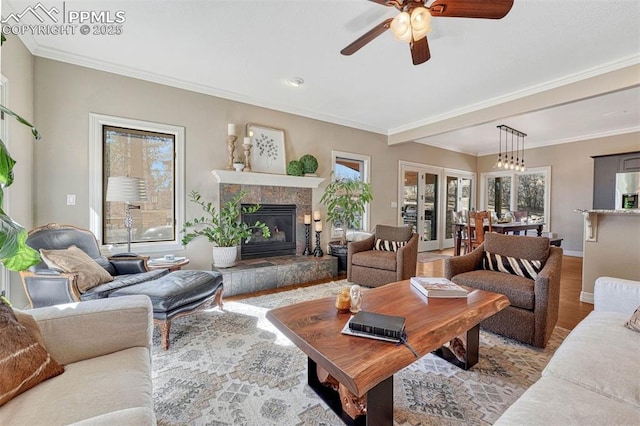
(526, 191)
(347, 165)
(152, 151)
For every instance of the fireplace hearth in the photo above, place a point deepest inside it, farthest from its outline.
(281, 220)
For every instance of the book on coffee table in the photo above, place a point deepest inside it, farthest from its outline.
(375, 326)
(438, 287)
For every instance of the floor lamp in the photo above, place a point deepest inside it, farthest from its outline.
(127, 190)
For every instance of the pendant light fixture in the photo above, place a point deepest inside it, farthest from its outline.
(508, 162)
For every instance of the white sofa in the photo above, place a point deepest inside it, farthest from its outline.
(594, 376)
(105, 347)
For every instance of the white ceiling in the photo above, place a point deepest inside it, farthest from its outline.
(246, 50)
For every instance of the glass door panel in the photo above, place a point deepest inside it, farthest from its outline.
(429, 210)
(458, 198)
(409, 209)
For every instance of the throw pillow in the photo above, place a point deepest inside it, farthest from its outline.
(75, 261)
(23, 360)
(511, 265)
(386, 245)
(634, 321)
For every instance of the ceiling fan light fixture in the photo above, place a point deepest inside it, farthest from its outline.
(420, 23)
(401, 27)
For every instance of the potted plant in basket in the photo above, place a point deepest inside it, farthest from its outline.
(223, 228)
(346, 200)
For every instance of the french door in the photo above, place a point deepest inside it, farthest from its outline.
(420, 203)
(458, 194)
(428, 196)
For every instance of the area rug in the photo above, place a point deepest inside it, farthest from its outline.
(233, 367)
(426, 256)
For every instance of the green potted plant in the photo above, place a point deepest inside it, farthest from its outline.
(223, 227)
(15, 254)
(346, 200)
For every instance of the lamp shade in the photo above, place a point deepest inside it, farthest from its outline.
(401, 27)
(126, 189)
(420, 23)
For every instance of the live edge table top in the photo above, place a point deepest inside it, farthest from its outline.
(360, 363)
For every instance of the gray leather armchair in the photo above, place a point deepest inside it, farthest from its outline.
(46, 287)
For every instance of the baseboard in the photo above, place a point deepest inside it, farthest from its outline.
(586, 297)
(572, 253)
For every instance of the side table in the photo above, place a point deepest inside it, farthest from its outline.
(171, 266)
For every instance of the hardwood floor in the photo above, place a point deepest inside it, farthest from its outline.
(571, 311)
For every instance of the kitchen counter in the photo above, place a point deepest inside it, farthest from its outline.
(611, 247)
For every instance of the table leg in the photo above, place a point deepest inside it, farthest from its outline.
(471, 350)
(539, 229)
(379, 400)
(458, 242)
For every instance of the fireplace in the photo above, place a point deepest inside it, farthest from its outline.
(281, 220)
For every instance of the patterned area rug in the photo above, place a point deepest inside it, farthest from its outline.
(235, 368)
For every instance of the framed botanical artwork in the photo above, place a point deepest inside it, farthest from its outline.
(267, 153)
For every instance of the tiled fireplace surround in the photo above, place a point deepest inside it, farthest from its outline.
(280, 271)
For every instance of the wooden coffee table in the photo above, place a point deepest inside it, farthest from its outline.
(365, 367)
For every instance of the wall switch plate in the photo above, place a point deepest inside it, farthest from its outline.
(394, 204)
(71, 199)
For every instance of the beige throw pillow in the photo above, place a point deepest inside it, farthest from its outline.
(634, 321)
(75, 261)
(23, 361)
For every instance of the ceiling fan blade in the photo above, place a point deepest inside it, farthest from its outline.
(420, 51)
(367, 37)
(487, 9)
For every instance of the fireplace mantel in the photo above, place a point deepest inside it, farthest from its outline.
(268, 179)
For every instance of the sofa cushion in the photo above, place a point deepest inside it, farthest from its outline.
(20, 354)
(386, 245)
(519, 246)
(519, 290)
(601, 355)
(634, 321)
(74, 261)
(511, 265)
(552, 401)
(377, 259)
(87, 389)
(394, 233)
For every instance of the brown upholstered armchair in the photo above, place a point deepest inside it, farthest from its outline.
(534, 302)
(375, 267)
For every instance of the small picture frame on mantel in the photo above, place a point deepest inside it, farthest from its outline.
(267, 152)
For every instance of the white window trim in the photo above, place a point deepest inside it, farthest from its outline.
(546, 170)
(366, 161)
(5, 278)
(96, 123)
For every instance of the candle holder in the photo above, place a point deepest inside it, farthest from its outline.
(317, 252)
(231, 147)
(247, 156)
(307, 244)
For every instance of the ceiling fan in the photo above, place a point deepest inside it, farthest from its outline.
(413, 23)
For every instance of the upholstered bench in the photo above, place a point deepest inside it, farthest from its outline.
(177, 294)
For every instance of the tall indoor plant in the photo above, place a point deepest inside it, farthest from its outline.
(346, 200)
(15, 254)
(223, 228)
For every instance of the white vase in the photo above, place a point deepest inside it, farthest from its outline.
(224, 257)
(238, 166)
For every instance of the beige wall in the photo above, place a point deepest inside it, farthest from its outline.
(17, 68)
(65, 95)
(571, 179)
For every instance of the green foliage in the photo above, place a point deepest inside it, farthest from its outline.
(15, 254)
(294, 168)
(223, 228)
(346, 200)
(309, 163)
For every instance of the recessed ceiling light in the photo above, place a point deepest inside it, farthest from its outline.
(614, 113)
(295, 81)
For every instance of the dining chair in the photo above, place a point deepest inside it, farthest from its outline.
(475, 228)
(520, 216)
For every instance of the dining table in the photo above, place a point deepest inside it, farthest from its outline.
(500, 228)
